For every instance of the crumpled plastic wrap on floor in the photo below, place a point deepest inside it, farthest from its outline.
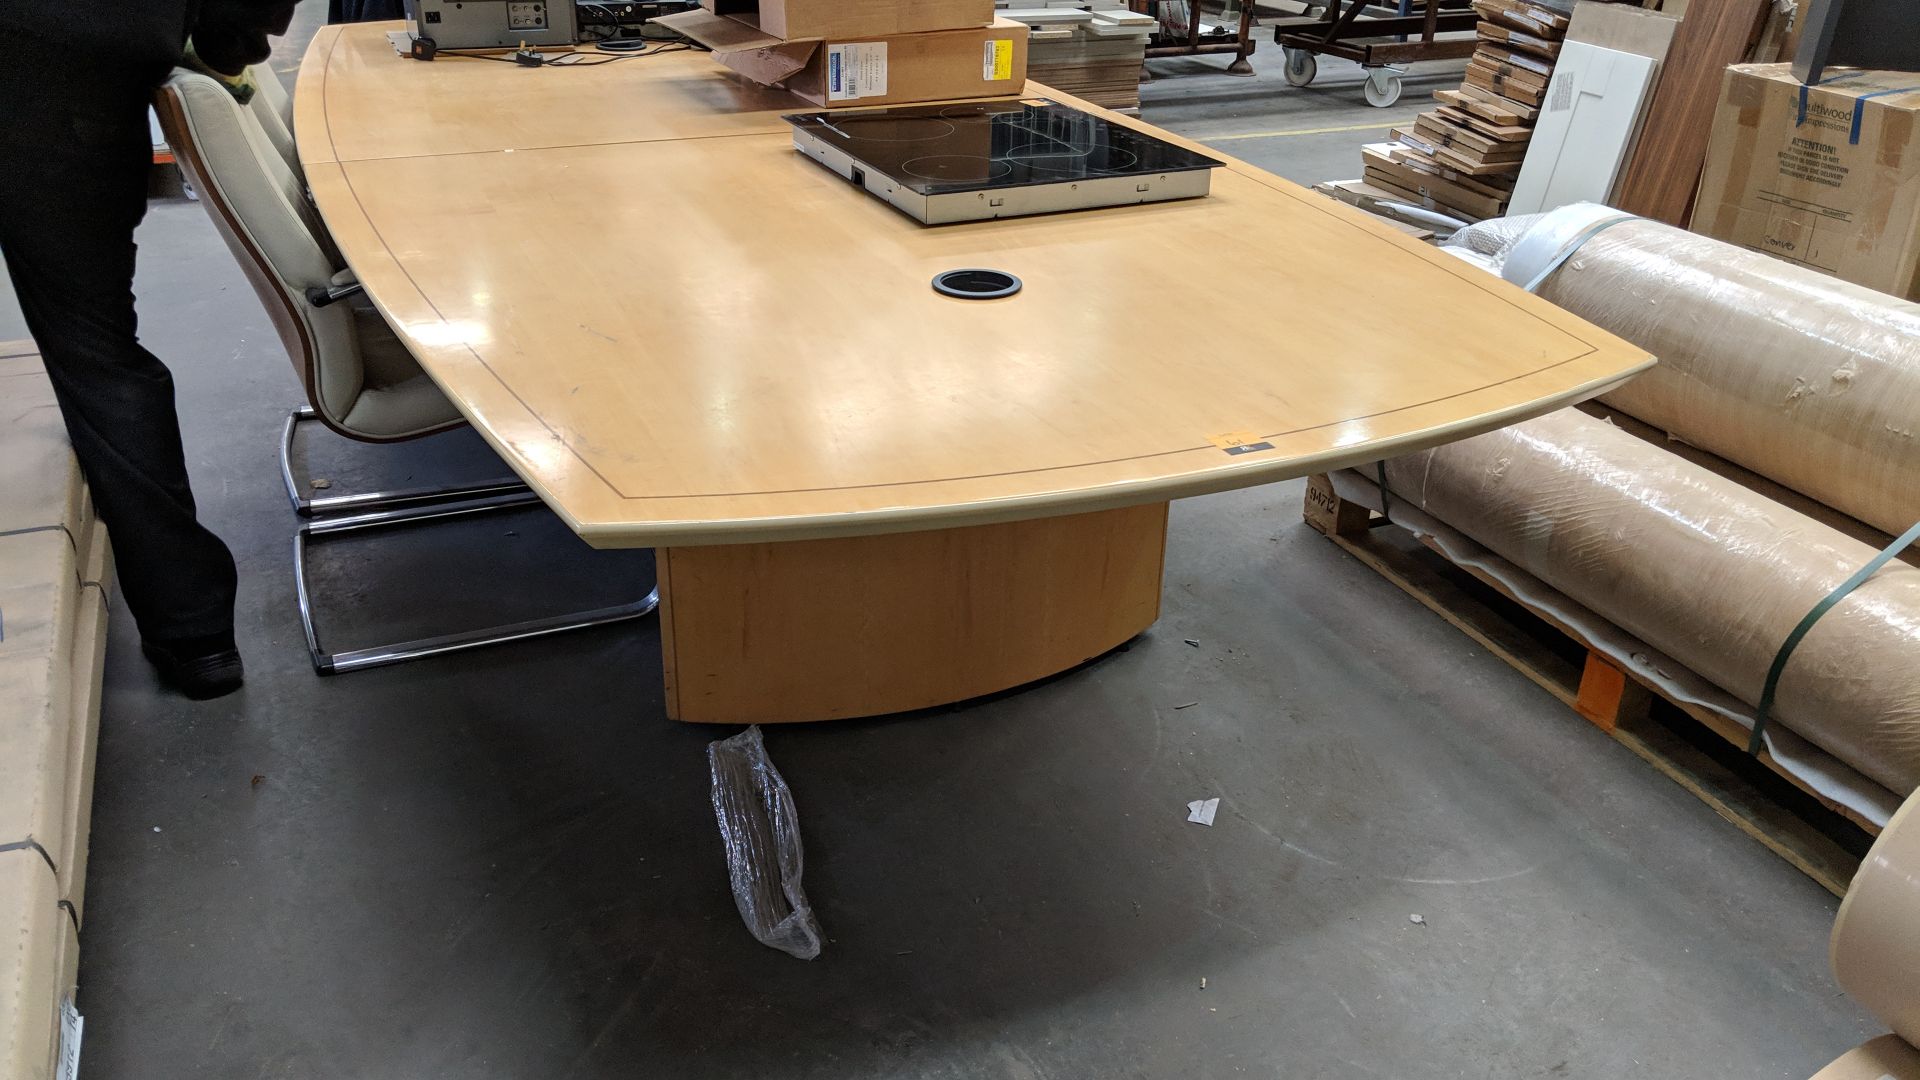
(1807, 380)
(1698, 567)
(760, 828)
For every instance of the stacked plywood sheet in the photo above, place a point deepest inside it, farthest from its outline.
(1382, 205)
(1092, 51)
(1460, 158)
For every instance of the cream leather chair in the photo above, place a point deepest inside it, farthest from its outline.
(360, 381)
(272, 109)
(1876, 952)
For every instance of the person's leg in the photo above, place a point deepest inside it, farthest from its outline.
(71, 193)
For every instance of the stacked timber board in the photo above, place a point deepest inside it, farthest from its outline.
(1092, 51)
(1382, 205)
(1460, 158)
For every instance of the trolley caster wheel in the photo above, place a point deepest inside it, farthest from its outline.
(1301, 67)
(1382, 87)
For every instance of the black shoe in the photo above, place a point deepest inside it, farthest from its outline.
(200, 668)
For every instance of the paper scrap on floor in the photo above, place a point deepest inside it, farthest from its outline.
(1201, 810)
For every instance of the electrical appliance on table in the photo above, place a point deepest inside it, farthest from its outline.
(866, 496)
(975, 161)
(491, 24)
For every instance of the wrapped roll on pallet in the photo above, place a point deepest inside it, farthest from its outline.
(1699, 567)
(1807, 380)
(1875, 951)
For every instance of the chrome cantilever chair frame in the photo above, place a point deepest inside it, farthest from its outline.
(241, 158)
(327, 663)
(415, 506)
(373, 500)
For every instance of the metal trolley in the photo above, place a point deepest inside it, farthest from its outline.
(1379, 42)
(1240, 43)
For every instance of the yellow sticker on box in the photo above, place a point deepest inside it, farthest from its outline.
(998, 64)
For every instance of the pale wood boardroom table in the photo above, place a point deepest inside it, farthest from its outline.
(867, 497)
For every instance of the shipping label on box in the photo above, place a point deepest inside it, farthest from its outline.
(794, 19)
(943, 65)
(1827, 176)
(856, 70)
(997, 62)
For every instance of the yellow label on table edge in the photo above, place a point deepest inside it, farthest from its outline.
(1239, 442)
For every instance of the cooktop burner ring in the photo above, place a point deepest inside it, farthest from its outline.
(956, 167)
(871, 129)
(1118, 159)
(973, 114)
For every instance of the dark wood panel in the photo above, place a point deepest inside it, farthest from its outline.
(1660, 177)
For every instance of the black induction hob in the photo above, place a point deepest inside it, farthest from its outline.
(946, 163)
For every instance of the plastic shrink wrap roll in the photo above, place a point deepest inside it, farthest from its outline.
(1698, 567)
(1807, 380)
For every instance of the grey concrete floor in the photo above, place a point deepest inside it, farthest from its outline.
(504, 864)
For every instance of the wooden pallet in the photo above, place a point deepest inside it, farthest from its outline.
(1821, 838)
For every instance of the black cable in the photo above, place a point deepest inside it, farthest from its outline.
(476, 56)
(576, 59)
(620, 52)
(542, 61)
(623, 45)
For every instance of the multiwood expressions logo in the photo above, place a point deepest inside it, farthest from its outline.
(1826, 116)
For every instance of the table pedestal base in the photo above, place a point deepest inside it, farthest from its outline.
(826, 629)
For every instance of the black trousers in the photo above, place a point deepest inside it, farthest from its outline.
(74, 158)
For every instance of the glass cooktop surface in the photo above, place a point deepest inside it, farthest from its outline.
(943, 149)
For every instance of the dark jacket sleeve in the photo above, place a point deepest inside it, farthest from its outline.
(129, 42)
(146, 35)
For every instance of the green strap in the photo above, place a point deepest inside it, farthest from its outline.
(1765, 708)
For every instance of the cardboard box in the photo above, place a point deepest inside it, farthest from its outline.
(1827, 176)
(986, 61)
(38, 970)
(795, 19)
(41, 600)
(86, 669)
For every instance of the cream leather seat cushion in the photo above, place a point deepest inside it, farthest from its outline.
(396, 394)
(272, 109)
(364, 380)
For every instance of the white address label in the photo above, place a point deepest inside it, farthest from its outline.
(857, 70)
(71, 1023)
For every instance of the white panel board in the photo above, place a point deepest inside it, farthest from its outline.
(1587, 124)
